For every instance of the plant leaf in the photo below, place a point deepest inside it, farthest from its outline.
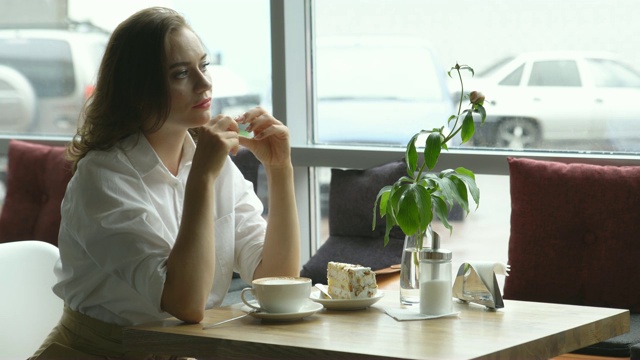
(414, 209)
(424, 208)
(470, 179)
(383, 198)
(482, 112)
(432, 149)
(441, 210)
(461, 193)
(411, 155)
(447, 188)
(390, 224)
(466, 172)
(468, 127)
(407, 211)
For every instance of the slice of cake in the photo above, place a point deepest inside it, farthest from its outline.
(348, 281)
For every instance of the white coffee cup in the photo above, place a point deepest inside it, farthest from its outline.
(278, 294)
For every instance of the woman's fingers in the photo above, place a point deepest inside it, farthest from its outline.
(216, 140)
(257, 120)
(224, 123)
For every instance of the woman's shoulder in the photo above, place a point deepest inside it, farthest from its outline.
(104, 161)
(115, 166)
(128, 154)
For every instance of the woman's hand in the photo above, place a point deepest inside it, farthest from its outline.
(270, 142)
(215, 141)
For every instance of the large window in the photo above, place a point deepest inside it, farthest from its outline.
(557, 88)
(567, 84)
(354, 79)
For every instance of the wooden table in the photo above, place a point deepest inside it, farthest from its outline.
(519, 330)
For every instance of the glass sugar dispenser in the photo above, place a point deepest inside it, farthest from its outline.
(436, 297)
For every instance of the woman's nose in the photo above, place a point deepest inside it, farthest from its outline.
(204, 81)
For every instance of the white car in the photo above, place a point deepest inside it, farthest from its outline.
(17, 101)
(559, 96)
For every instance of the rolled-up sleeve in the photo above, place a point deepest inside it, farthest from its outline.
(240, 231)
(121, 216)
(114, 234)
(250, 226)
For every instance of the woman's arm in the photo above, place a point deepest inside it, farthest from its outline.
(281, 253)
(270, 144)
(191, 263)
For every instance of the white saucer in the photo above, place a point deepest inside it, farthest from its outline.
(309, 308)
(346, 304)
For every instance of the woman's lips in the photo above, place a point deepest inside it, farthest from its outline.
(204, 104)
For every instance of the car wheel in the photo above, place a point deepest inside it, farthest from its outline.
(517, 133)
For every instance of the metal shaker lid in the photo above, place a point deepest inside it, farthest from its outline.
(435, 252)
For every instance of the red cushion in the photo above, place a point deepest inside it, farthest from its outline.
(37, 177)
(575, 234)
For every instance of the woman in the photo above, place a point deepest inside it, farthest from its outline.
(152, 225)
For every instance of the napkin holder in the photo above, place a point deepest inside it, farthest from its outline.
(469, 286)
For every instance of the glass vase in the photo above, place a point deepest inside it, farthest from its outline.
(410, 267)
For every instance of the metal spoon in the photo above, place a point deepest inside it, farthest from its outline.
(324, 290)
(228, 320)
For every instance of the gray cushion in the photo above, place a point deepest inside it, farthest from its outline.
(364, 251)
(619, 346)
(635, 352)
(352, 240)
(351, 198)
(249, 166)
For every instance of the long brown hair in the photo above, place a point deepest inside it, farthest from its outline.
(131, 94)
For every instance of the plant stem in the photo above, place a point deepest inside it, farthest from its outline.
(456, 131)
(455, 124)
(461, 90)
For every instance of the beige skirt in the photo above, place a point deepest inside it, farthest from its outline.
(78, 336)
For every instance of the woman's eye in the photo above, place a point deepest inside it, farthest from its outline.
(205, 65)
(181, 74)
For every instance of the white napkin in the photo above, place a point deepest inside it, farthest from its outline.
(413, 313)
(484, 281)
(487, 269)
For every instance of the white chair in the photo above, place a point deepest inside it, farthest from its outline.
(28, 307)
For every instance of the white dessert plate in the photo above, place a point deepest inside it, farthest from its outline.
(346, 304)
(308, 309)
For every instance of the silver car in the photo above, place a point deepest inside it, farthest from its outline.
(61, 66)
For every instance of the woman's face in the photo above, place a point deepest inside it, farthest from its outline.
(189, 80)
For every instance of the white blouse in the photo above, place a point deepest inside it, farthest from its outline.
(120, 218)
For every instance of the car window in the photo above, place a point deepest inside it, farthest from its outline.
(513, 79)
(46, 63)
(610, 73)
(555, 73)
(490, 70)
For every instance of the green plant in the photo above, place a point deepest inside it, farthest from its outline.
(413, 199)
